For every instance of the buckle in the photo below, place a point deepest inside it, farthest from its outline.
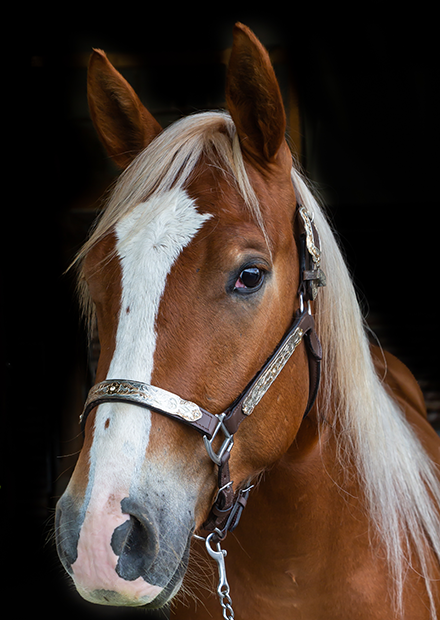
(227, 444)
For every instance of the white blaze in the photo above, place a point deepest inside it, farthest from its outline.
(149, 240)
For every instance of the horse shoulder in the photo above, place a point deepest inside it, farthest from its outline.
(403, 387)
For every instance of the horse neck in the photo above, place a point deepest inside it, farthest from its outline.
(299, 504)
(307, 477)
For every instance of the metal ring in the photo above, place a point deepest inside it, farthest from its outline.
(226, 445)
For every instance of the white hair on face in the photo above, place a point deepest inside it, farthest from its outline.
(149, 241)
(168, 162)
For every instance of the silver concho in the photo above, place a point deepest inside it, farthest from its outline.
(310, 240)
(314, 251)
(145, 395)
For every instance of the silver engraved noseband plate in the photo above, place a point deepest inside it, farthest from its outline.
(144, 395)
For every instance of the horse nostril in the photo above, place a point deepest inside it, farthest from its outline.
(135, 542)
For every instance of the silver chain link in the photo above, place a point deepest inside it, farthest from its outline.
(226, 603)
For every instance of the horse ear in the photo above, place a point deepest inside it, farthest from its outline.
(253, 97)
(123, 124)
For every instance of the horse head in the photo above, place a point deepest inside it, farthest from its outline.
(193, 273)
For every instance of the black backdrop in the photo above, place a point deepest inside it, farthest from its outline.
(368, 94)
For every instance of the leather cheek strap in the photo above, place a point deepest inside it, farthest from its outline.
(228, 506)
(304, 327)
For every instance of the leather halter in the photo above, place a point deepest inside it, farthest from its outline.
(227, 508)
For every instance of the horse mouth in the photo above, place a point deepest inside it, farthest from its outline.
(173, 586)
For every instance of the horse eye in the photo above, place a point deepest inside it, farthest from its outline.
(250, 278)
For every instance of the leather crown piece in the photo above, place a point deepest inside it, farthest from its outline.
(228, 506)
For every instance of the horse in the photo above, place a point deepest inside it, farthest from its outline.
(236, 382)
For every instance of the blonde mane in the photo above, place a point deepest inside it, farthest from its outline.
(400, 482)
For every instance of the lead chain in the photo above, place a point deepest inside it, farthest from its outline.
(226, 603)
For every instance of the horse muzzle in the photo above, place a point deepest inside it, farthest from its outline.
(122, 554)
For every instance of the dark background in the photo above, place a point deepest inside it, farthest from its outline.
(367, 87)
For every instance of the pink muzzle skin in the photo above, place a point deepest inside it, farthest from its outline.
(94, 571)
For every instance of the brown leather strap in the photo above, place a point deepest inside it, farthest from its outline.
(228, 506)
(305, 322)
(315, 357)
(226, 511)
(224, 500)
